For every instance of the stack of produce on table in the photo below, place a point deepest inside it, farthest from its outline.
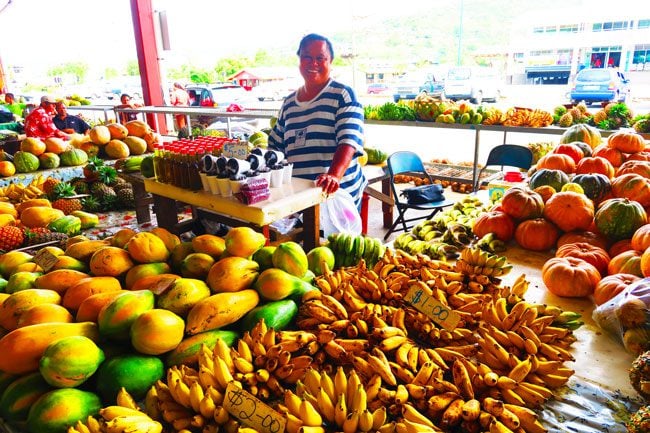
(611, 116)
(35, 154)
(173, 323)
(115, 141)
(640, 379)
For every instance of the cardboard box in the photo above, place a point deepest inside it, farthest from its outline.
(497, 188)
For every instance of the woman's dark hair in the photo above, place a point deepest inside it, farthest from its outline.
(312, 37)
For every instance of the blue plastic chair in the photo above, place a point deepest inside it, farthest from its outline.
(507, 155)
(410, 163)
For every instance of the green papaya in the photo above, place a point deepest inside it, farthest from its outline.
(188, 349)
(274, 284)
(69, 224)
(20, 395)
(70, 361)
(88, 220)
(276, 314)
(290, 257)
(136, 373)
(61, 408)
(115, 319)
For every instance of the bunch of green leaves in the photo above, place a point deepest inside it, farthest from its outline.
(395, 111)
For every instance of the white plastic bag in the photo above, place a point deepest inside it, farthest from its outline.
(339, 214)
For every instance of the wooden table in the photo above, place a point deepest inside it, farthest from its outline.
(299, 196)
(374, 174)
(142, 198)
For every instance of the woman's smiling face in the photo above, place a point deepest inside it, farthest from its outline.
(315, 62)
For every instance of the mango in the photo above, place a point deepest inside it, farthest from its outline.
(19, 281)
(19, 302)
(110, 261)
(209, 244)
(179, 253)
(222, 309)
(169, 238)
(146, 247)
(75, 295)
(59, 280)
(136, 373)
(9, 261)
(183, 294)
(115, 318)
(157, 331)
(232, 274)
(59, 409)
(197, 265)
(70, 361)
(275, 284)
(20, 395)
(187, 352)
(319, 259)
(243, 241)
(276, 314)
(144, 270)
(290, 257)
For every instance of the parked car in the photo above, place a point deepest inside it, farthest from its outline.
(477, 84)
(411, 85)
(274, 91)
(600, 85)
(218, 95)
(378, 88)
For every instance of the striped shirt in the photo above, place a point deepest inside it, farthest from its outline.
(309, 132)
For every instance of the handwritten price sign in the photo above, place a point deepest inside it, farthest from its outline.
(45, 259)
(252, 411)
(434, 309)
(235, 150)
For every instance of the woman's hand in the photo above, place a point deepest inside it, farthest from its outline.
(328, 183)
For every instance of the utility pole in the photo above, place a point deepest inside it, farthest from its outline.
(460, 35)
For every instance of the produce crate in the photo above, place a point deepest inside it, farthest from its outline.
(459, 173)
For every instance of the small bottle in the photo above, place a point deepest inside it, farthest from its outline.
(194, 171)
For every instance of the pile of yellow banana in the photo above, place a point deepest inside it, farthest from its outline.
(526, 117)
(476, 261)
(17, 192)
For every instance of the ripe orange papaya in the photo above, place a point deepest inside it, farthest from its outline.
(222, 309)
(74, 296)
(59, 280)
(115, 318)
(18, 302)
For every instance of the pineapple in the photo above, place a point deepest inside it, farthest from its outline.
(11, 237)
(109, 201)
(106, 175)
(582, 106)
(80, 186)
(125, 197)
(566, 120)
(67, 205)
(599, 116)
(576, 114)
(41, 235)
(90, 170)
(62, 189)
(90, 204)
(49, 185)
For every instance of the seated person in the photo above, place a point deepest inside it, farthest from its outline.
(127, 102)
(6, 116)
(39, 122)
(14, 106)
(69, 123)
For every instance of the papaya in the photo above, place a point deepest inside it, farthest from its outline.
(9, 261)
(67, 262)
(20, 395)
(5, 381)
(136, 145)
(19, 281)
(21, 301)
(157, 331)
(187, 352)
(28, 267)
(146, 247)
(308, 277)
(110, 261)
(232, 274)
(22, 348)
(59, 409)
(290, 257)
(88, 220)
(243, 241)
(264, 257)
(59, 280)
(169, 238)
(137, 128)
(90, 307)
(209, 244)
(136, 373)
(276, 314)
(144, 270)
(31, 203)
(70, 361)
(115, 319)
(74, 296)
(197, 265)
(183, 294)
(179, 253)
(158, 284)
(100, 134)
(74, 239)
(220, 310)
(44, 313)
(274, 284)
(117, 131)
(83, 250)
(7, 220)
(39, 216)
(122, 236)
(318, 257)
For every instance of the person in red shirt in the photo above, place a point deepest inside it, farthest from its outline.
(180, 98)
(39, 123)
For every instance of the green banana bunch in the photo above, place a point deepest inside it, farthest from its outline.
(349, 249)
(132, 164)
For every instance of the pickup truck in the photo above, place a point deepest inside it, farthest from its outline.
(410, 86)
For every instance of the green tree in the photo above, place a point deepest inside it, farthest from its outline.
(132, 68)
(226, 67)
(78, 70)
(110, 73)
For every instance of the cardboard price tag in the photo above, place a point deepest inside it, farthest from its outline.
(45, 259)
(434, 309)
(251, 411)
(235, 150)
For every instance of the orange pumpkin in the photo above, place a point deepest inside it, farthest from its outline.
(557, 161)
(546, 191)
(522, 203)
(626, 141)
(620, 246)
(569, 211)
(639, 156)
(587, 252)
(495, 222)
(633, 166)
(641, 238)
(645, 263)
(587, 236)
(570, 277)
(627, 262)
(614, 156)
(633, 187)
(536, 234)
(611, 286)
(575, 152)
(595, 164)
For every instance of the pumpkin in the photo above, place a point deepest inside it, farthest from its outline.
(620, 246)
(569, 210)
(632, 186)
(73, 157)
(626, 141)
(634, 166)
(25, 162)
(546, 191)
(597, 256)
(627, 262)
(536, 234)
(614, 156)
(557, 161)
(545, 176)
(611, 286)
(570, 277)
(496, 222)
(619, 218)
(585, 236)
(595, 164)
(639, 156)
(522, 203)
(575, 152)
(641, 238)
(645, 262)
(582, 132)
(596, 186)
(586, 149)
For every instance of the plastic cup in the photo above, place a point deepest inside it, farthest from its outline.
(288, 171)
(277, 177)
(266, 175)
(214, 187)
(224, 186)
(235, 185)
(204, 182)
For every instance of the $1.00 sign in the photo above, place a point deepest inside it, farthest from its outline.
(434, 309)
(252, 411)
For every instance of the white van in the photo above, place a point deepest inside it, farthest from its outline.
(477, 84)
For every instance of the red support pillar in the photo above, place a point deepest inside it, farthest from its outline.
(148, 61)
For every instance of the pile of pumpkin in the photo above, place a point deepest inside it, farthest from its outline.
(588, 199)
(115, 141)
(35, 154)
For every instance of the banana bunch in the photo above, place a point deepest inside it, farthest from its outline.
(490, 243)
(412, 245)
(17, 192)
(123, 417)
(493, 116)
(129, 165)
(525, 117)
(475, 261)
(348, 249)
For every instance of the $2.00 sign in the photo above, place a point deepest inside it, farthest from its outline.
(434, 309)
(252, 411)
